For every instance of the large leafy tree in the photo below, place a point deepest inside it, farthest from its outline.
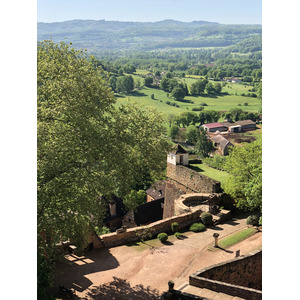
(204, 145)
(86, 146)
(245, 181)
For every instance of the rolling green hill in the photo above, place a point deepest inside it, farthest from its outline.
(113, 35)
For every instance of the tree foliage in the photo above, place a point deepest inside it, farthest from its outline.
(245, 181)
(86, 146)
(203, 146)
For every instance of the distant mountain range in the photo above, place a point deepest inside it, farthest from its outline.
(113, 35)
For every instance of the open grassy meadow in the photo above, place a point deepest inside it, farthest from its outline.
(229, 98)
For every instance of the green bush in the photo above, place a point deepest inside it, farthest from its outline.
(162, 237)
(252, 220)
(177, 234)
(260, 221)
(206, 218)
(197, 227)
(102, 230)
(174, 226)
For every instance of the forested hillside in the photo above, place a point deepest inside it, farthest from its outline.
(108, 35)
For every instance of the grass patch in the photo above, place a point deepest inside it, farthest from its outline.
(234, 238)
(211, 172)
(150, 244)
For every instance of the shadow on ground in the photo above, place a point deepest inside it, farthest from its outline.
(79, 266)
(223, 249)
(121, 289)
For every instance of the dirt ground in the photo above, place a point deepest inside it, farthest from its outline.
(125, 273)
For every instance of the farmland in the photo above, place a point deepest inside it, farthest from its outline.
(229, 98)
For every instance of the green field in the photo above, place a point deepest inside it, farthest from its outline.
(222, 102)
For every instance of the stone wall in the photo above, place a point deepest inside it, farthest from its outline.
(192, 180)
(241, 277)
(172, 192)
(130, 235)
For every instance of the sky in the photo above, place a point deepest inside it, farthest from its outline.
(221, 11)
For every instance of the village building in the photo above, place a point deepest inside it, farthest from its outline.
(156, 191)
(213, 127)
(222, 144)
(234, 80)
(144, 214)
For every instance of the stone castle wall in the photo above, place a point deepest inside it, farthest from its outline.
(241, 277)
(183, 180)
(192, 180)
(123, 237)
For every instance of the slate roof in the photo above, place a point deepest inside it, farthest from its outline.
(157, 190)
(219, 139)
(178, 150)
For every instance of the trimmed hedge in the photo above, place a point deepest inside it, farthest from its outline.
(197, 227)
(162, 237)
(206, 218)
(177, 234)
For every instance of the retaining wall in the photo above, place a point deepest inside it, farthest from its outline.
(241, 277)
(122, 237)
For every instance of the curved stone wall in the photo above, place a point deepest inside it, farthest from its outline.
(191, 202)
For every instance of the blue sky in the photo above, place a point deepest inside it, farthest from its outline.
(222, 11)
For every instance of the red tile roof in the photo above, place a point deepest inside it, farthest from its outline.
(213, 125)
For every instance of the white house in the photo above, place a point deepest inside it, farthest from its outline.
(178, 156)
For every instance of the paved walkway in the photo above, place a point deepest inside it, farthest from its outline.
(125, 273)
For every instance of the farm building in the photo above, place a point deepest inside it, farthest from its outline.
(245, 125)
(234, 80)
(221, 143)
(178, 156)
(213, 127)
(235, 128)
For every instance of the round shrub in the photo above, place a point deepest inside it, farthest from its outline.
(197, 227)
(177, 234)
(174, 226)
(162, 237)
(206, 218)
(252, 220)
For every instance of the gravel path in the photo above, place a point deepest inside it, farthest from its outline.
(125, 273)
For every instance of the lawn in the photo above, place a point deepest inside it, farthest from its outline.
(210, 172)
(234, 238)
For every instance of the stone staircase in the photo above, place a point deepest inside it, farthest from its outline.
(205, 293)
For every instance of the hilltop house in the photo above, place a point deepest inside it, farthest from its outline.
(178, 156)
